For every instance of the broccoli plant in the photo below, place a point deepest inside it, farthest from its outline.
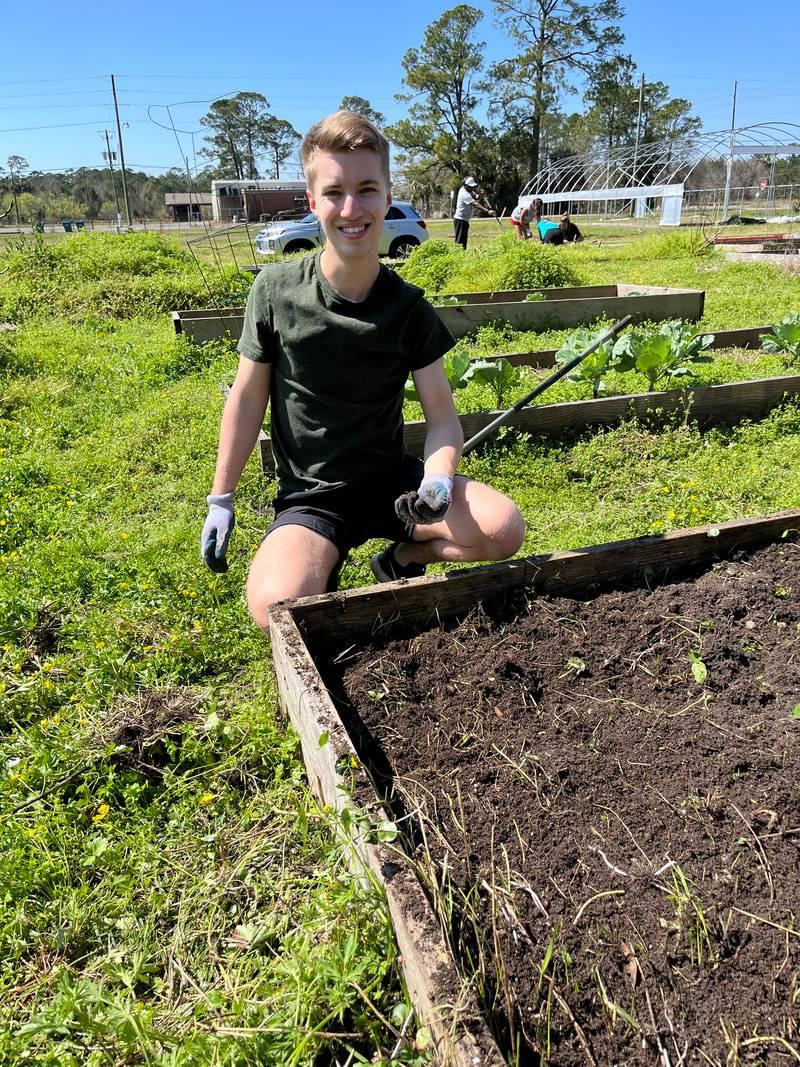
(457, 366)
(592, 369)
(500, 375)
(668, 351)
(785, 337)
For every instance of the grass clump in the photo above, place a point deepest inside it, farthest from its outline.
(107, 275)
(505, 263)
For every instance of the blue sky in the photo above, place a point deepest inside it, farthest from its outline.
(305, 57)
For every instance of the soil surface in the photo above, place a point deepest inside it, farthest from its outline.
(605, 797)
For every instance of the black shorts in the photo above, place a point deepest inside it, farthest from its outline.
(353, 513)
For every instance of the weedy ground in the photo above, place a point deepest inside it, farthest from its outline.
(171, 892)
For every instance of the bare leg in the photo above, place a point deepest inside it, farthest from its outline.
(293, 561)
(481, 524)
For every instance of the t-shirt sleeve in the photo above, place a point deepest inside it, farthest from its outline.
(258, 340)
(426, 337)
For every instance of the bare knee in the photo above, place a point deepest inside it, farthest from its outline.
(506, 533)
(259, 601)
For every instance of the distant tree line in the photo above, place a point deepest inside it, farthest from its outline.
(29, 196)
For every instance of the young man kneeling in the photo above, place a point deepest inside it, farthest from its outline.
(329, 340)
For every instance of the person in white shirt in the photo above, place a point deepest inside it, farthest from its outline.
(466, 201)
(520, 220)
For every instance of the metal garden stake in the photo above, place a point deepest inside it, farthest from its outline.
(495, 424)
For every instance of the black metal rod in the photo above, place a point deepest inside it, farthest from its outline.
(489, 429)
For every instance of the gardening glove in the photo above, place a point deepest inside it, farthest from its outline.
(428, 504)
(217, 531)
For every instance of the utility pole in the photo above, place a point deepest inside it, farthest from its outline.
(121, 154)
(729, 170)
(638, 134)
(110, 157)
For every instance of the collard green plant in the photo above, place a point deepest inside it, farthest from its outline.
(785, 337)
(457, 366)
(594, 368)
(666, 352)
(500, 375)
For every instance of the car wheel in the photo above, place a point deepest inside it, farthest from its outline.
(298, 246)
(402, 247)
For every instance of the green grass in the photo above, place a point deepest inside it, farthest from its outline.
(172, 893)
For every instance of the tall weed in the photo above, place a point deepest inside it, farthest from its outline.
(115, 276)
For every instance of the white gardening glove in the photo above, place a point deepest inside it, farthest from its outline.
(217, 531)
(428, 504)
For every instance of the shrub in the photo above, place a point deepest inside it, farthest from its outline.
(430, 265)
(505, 263)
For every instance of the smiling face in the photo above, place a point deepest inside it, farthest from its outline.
(349, 195)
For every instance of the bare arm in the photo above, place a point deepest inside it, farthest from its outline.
(241, 422)
(444, 437)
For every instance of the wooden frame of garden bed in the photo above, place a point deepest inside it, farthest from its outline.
(299, 629)
(571, 307)
(560, 307)
(708, 405)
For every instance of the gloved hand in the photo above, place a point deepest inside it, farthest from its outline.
(217, 531)
(428, 504)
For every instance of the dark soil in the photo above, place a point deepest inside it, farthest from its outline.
(607, 794)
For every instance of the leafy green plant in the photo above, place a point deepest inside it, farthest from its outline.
(534, 298)
(457, 366)
(500, 375)
(666, 352)
(594, 367)
(785, 337)
(447, 302)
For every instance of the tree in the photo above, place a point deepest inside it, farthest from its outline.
(558, 38)
(439, 76)
(17, 167)
(614, 98)
(280, 139)
(238, 124)
(363, 107)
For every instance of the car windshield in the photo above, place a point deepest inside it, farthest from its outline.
(310, 218)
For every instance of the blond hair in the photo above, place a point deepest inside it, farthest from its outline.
(343, 131)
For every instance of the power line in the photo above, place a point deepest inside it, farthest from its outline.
(57, 126)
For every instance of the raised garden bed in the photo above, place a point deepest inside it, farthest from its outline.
(571, 307)
(708, 405)
(591, 758)
(559, 307)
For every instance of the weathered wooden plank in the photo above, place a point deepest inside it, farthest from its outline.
(709, 405)
(209, 324)
(336, 775)
(645, 305)
(512, 296)
(424, 601)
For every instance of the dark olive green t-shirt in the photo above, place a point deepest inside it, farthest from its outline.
(338, 370)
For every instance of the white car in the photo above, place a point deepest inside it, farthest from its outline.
(403, 229)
